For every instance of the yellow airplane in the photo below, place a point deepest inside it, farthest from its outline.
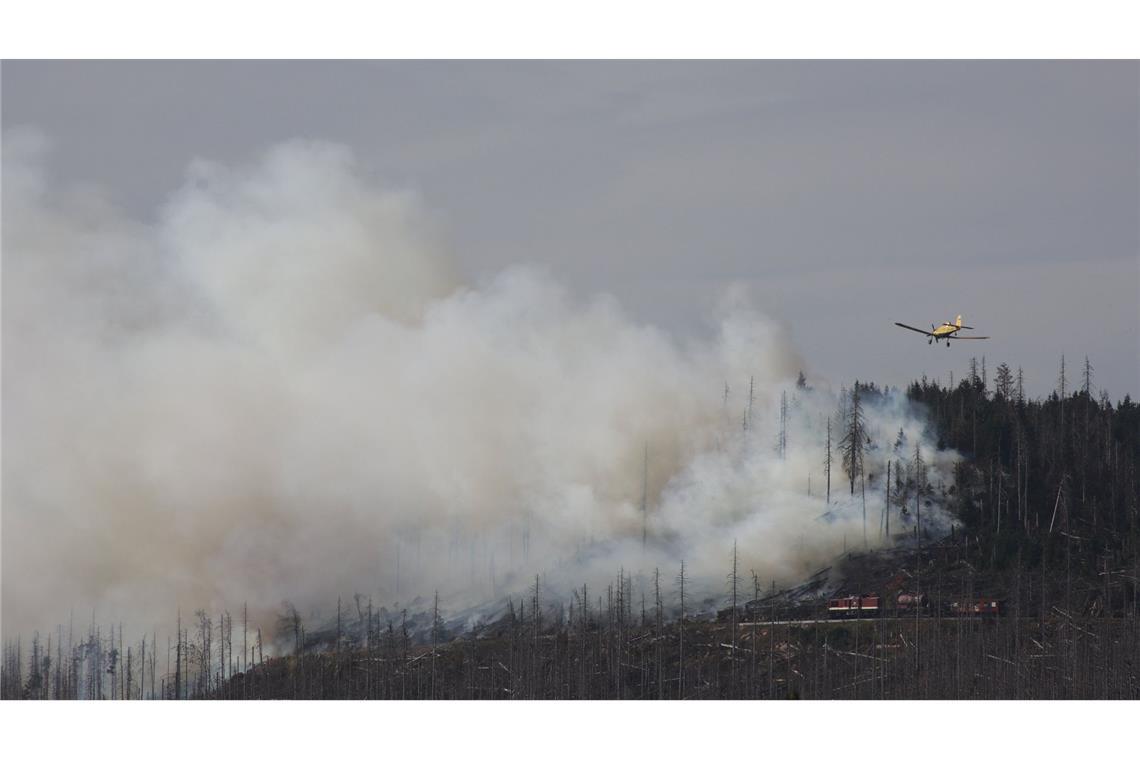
(946, 331)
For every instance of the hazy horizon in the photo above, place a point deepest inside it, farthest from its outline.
(842, 196)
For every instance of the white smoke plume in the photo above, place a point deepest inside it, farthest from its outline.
(279, 388)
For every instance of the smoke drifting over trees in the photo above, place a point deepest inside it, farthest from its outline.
(280, 388)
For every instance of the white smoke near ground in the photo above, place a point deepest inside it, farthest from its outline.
(281, 389)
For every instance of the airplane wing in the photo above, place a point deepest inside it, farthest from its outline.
(908, 327)
(968, 337)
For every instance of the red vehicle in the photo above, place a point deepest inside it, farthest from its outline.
(978, 607)
(854, 606)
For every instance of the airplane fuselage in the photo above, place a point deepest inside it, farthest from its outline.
(947, 331)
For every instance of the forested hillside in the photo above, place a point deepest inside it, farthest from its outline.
(1045, 495)
(1051, 479)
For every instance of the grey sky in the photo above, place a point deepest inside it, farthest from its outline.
(846, 195)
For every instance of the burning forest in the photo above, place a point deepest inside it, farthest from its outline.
(271, 444)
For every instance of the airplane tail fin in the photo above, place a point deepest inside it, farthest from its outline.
(959, 321)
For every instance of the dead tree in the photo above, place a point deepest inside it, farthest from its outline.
(244, 637)
(827, 460)
(734, 582)
(681, 636)
(782, 442)
(748, 414)
(919, 486)
(887, 504)
(852, 445)
(657, 632)
(178, 661)
(435, 621)
(854, 438)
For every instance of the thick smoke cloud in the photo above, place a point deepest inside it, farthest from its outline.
(279, 388)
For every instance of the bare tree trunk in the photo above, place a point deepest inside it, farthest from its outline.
(827, 461)
(888, 503)
(681, 637)
(657, 632)
(732, 653)
(178, 661)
